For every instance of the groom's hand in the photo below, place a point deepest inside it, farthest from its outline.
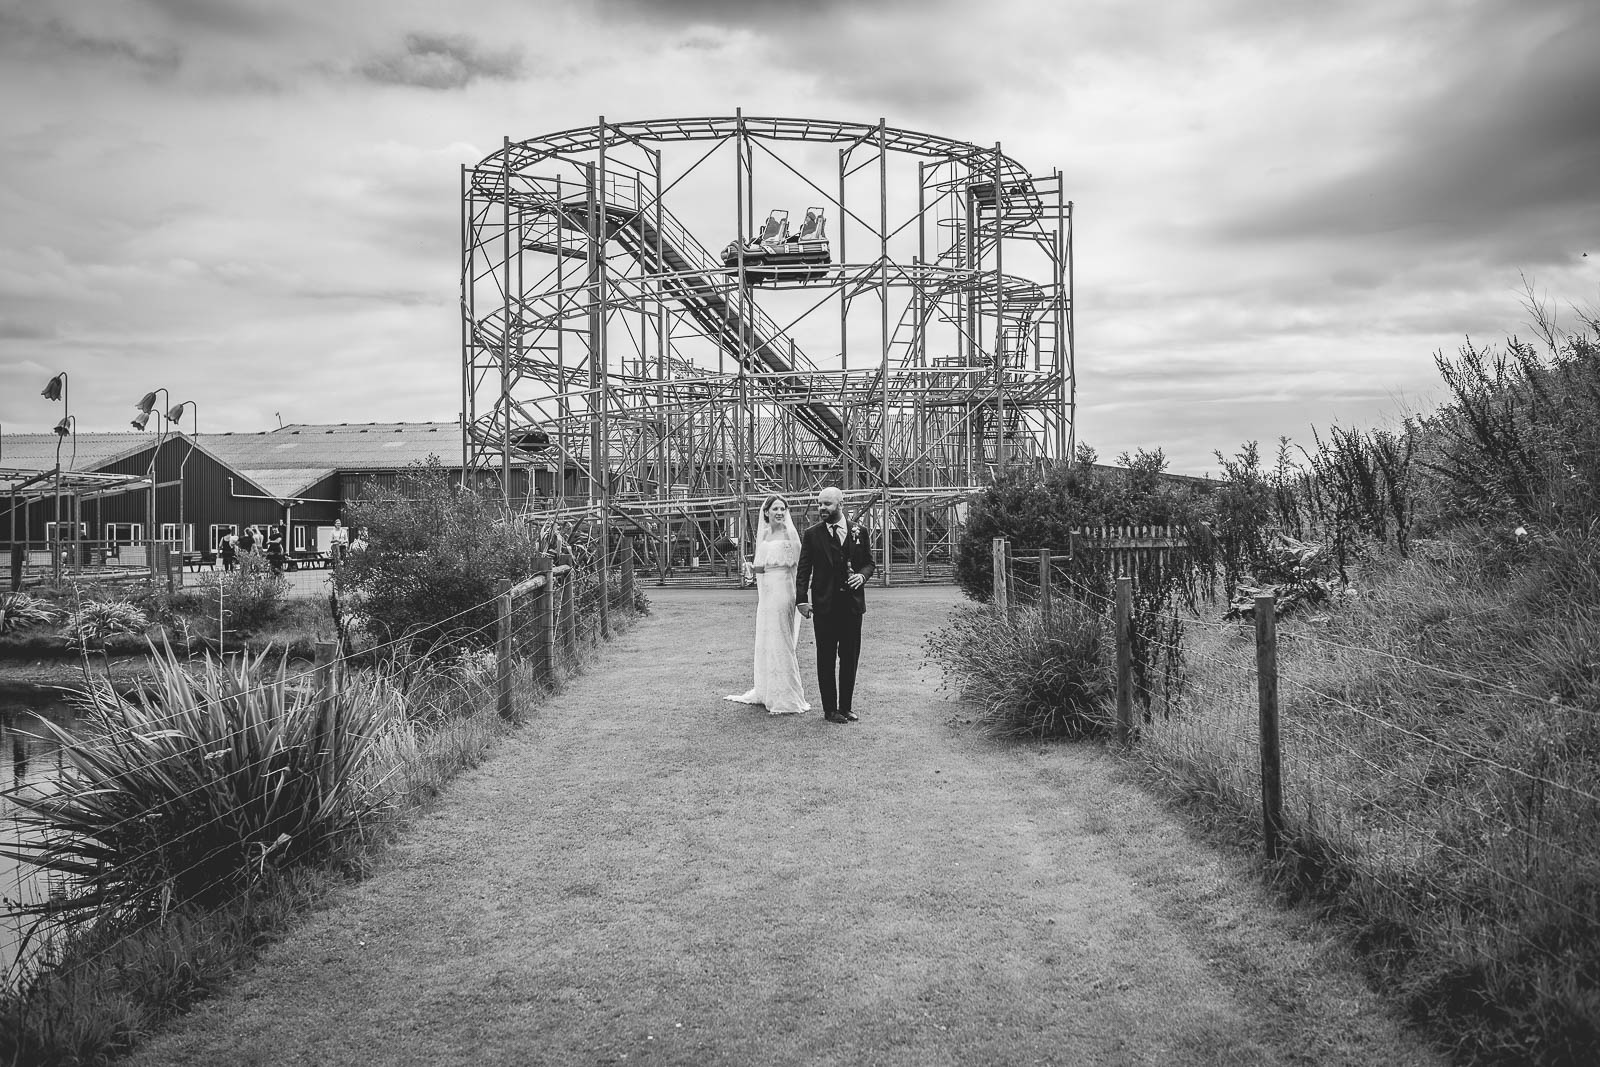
(804, 610)
(855, 581)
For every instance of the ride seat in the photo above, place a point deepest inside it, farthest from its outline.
(812, 228)
(776, 230)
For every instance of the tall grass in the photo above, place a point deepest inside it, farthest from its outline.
(1441, 743)
(1027, 678)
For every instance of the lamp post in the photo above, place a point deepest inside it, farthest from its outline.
(56, 389)
(145, 406)
(173, 415)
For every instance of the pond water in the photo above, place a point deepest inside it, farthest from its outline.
(27, 756)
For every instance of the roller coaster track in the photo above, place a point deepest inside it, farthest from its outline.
(704, 287)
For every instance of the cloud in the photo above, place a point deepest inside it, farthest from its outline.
(1490, 142)
(55, 37)
(442, 61)
(754, 13)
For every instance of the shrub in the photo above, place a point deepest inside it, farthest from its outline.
(188, 792)
(251, 597)
(91, 624)
(1027, 679)
(436, 553)
(19, 611)
(1298, 573)
(1520, 440)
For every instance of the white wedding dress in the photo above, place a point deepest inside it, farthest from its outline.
(777, 671)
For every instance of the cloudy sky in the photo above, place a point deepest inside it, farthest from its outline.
(1282, 210)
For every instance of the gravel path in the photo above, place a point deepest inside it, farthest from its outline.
(646, 873)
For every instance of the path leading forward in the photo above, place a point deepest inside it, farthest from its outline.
(648, 874)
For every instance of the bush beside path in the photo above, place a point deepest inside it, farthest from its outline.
(645, 873)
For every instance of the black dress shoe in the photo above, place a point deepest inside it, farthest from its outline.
(840, 719)
(850, 716)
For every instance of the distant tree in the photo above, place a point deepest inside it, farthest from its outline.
(435, 552)
(1037, 509)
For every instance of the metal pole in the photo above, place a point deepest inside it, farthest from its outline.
(505, 323)
(466, 330)
(883, 303)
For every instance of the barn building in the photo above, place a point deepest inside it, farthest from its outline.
(297, 478)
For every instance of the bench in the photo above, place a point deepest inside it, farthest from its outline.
(309, 561)
(193, 561)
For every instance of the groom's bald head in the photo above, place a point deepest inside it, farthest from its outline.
(828, 500)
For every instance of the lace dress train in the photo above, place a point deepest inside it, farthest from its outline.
(777, 670)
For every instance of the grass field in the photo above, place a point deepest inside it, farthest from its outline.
(647, 873)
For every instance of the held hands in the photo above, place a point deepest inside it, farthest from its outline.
(804, 610)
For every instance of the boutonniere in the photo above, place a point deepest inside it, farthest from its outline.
(855, 535)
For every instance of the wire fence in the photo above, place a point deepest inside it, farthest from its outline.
(281, 727)
(1432, 798)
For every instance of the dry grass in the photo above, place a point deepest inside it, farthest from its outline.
(647, 872)
(1438, 789)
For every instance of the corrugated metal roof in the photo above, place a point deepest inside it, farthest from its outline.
(341, 446)
(37, 451)
(286, 482)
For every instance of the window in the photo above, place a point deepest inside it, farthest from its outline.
(299, 539)
(219, 530)
(181, 540)
(124, 533)
(66, 531)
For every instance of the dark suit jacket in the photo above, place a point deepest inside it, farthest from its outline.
(825, 565)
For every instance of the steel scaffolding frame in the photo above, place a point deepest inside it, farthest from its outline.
(659, 389)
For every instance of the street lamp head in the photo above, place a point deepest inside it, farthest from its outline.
(52, 391)
(176, 412)
(148, 402)
(64, 427)
(141, 419)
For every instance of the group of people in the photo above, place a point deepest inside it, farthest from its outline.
(252, 539)
(271, 543)
(819, 575)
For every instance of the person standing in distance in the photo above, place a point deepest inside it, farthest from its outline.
(830, 590)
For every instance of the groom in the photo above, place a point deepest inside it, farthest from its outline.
(835, 563)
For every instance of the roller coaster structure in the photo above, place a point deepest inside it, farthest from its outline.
(922, 346)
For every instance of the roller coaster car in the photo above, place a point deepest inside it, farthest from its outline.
(803, 256)
(983, 192)
(530, 440)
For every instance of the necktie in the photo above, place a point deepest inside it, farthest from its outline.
(838, 533)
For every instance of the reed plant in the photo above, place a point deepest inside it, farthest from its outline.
(21, 611)
(188, 791)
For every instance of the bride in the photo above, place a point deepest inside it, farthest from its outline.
(777, 672)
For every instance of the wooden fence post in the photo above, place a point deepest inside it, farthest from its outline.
(326, 687)
(544, 629)
(1271, 753)
(1044, 587)
(627, 575)
(603, 579)
(502, 644)
(1001, 584)
(569, 610)
(1124, 626)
